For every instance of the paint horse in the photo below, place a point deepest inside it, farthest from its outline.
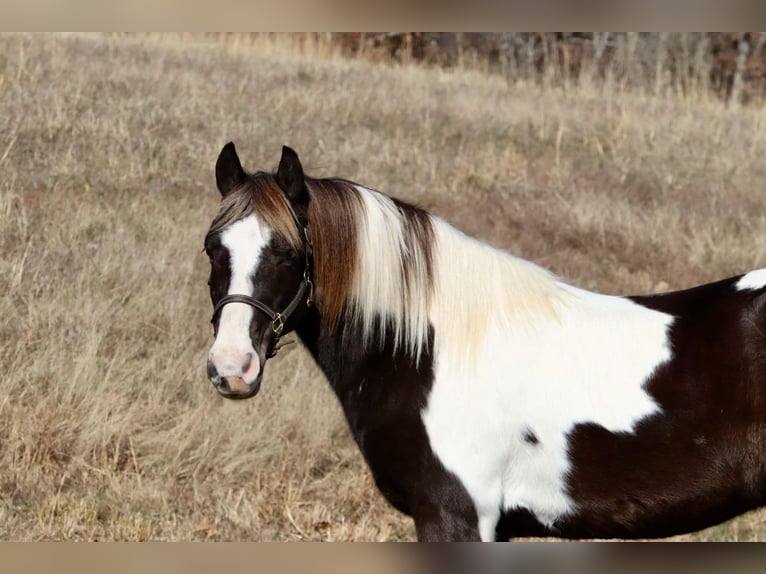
(489, 398)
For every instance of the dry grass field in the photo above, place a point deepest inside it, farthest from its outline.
(109, 429)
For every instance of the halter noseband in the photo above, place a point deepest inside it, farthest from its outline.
(278, 319)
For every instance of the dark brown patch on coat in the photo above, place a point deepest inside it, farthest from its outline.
(699, 461)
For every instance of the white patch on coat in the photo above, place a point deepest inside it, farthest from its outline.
(549, 356)
(753, 280)
(476, 284)
(245, 240)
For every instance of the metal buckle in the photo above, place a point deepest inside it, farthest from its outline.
(278, 324)
(310, 298)
(309, 286)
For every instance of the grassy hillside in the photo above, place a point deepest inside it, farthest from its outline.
(109, 429)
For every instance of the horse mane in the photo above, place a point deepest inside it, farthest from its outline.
(387, 265)
(374, 261)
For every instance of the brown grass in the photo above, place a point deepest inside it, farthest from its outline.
(108, 427)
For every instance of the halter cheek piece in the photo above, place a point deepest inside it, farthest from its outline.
(278, 319)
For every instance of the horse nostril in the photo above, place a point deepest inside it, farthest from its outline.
(247, 363)
(221, 384)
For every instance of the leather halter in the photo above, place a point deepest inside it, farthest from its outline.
(278, 319)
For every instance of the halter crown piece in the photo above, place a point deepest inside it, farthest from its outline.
(278, 319)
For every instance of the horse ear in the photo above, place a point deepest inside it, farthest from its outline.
(228, 170)
(290, 177)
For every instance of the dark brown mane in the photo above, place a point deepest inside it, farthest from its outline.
(334, 211)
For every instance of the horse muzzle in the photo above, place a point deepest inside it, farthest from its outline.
(234, 385)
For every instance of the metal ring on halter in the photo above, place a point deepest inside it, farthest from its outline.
(278, 324)
(309, 285)
(310, 297)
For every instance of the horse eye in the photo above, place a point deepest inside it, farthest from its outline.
(284, 255)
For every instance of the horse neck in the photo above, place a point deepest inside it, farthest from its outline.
(341, 356)
(325, 346)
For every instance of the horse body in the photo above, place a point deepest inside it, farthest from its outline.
(532, 385)
(488, 398)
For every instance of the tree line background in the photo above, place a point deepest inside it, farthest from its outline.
(731, 66)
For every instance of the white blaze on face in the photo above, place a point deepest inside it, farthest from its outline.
(233, 348)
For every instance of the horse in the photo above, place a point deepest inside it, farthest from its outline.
(489, 398)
